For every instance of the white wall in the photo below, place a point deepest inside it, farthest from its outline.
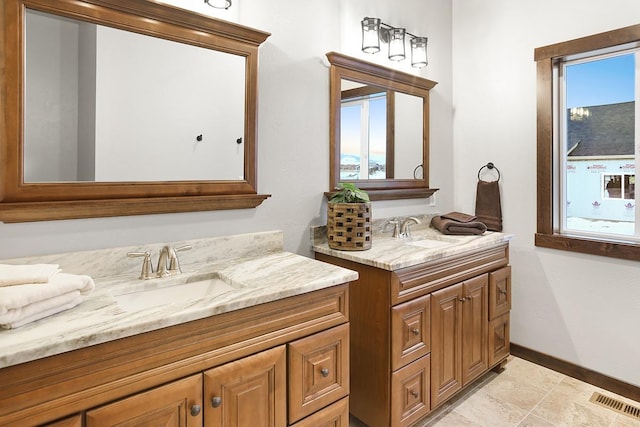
(580, 308)
(293, 130)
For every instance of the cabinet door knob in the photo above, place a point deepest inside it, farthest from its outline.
(502, 291)
(324, 372)
(469, 297)
(195, 410)
(216, 402)
(414, 393)
(415, 331)
(461, 299)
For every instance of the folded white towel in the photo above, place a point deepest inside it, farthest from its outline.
(24, 274)
(22, 304)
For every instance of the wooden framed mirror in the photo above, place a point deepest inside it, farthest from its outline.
(379, 129)
(130, 107)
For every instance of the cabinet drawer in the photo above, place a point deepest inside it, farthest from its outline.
(410, 331)
(410, 392)
(499, 341)
(335, 415)
(499, 292)
(318, 371)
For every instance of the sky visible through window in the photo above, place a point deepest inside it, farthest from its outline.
(601, 82)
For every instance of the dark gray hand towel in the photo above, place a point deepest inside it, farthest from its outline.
(488, 209)
(451, 226)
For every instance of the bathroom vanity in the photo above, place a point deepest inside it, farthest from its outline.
(429, 314)
(268, 341)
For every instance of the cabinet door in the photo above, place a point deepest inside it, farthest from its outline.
(335, 415)
(410, 331)
(176, 404)
(75, 421)
(249, 392)
(499, 292)
(318, 371)
(474, 328)
(446, 343)
(499, 342)
(410, 399)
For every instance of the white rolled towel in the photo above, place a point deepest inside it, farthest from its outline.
(21, 304)
(24, 274)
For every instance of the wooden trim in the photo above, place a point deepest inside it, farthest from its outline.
(583, 374)
(627, 251)
(592, 42)
(545, 146)
(379, 71)
(546, 236)
(58, 386)
(74, 209)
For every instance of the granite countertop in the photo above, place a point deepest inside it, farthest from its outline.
(392, 253)
(254, 267)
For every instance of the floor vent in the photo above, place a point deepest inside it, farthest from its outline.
(616, 405)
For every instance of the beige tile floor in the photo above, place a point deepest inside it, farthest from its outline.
(526, 395)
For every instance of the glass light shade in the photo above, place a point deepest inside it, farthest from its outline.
(419, 52)
(396, 44)
(219, 4)
(371, 35)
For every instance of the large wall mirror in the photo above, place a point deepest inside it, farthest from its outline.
(124, 108)
(379, 129)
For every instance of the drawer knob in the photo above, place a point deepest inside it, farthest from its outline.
(216, 402)
(324, 372)
(195, 410)
(414, 393)
(415, 331)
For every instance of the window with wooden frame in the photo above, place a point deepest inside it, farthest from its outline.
(586, 143)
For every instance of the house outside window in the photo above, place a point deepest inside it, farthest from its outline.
(586, 144)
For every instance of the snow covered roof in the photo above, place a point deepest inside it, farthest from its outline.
(607, 130)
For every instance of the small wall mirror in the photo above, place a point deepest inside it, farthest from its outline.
(379, 129)
(124, 108)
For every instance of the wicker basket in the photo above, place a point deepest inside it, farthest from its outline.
(349, 226)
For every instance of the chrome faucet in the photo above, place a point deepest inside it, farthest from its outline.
(147, 267)
(168, 263)
(404, 228)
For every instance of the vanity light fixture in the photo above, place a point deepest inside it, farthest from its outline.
(374, 31)
(219, 4)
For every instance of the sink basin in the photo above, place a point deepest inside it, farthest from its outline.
(160, 293)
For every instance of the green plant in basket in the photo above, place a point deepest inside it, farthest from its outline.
(349, 193)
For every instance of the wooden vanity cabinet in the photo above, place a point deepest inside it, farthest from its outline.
(420, 334)
(277, 364)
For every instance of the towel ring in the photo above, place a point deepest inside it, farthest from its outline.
(489, 166)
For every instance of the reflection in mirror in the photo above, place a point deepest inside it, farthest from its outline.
(366, 145)
(379, 129)
(103, 104)
(371, 120)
